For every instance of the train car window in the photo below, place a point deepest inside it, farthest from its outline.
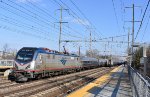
(3, 63)
(9, 63)
(25, 54)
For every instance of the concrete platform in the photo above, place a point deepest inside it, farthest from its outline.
(114, 84)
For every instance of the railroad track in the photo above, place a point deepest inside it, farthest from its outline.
(4, 80)
(65, 89)
(52, 86)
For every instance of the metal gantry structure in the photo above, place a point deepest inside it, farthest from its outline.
(60, 22)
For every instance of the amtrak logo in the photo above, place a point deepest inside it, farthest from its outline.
(63, 61)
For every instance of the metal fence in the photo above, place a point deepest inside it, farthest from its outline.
(140, 86)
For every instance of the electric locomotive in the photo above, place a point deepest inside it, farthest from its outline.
(33, 62)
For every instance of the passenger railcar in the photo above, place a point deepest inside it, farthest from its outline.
(88, 62)
(93, 62)
(103, 62)
(6, 64)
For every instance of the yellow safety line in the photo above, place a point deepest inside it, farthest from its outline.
(4, 67)
(84, 91)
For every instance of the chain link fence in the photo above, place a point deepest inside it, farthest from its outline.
(140, 86)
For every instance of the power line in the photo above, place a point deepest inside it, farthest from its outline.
(115, 36)
(86, 26)
(145, 28)
(24, 12)
(26, 25)
(35, 13)
(52, 16)
(22, 25)
(83, 15)
(5, 27)
(35, 18)
(42, 10)
(73, 14)
(116, 15)
(37, 22)
(46, 12)
(76, 16)
(122, 7)
(142, 19)
(94, 41)
(31, 27)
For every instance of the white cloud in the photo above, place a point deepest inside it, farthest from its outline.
(24, 1)
(80, 21)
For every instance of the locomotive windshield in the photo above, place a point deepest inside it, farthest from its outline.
(25, 54)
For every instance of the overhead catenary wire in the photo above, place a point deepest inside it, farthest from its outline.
(5, 27)
(24, 12)
(37, 22)
(116, 15)
(45, 24)
(22, 25)
(142, 19)
(93, 26)
(122, 15)
(43, 10)
(24, 17)
(145, 28)
(35, 18)
(74, 16)
(122, 8)
(46, 12)
(115, 36)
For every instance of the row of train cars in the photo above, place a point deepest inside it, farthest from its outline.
(35, 63)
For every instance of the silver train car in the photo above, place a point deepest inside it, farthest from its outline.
(87, 61)
(35, 63)
(93, 62)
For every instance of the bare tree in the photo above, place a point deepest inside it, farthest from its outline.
(94, 53)
(5, 49)
(8, 53)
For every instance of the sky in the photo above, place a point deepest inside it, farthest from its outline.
(35, 23)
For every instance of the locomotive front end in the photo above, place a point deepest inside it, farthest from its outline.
(24, 63)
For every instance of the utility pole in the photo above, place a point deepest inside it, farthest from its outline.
(60, 27)
(128, 39)
(129, 59)
(60, 22)
(105, 51)
(90, 44)
(145, 59)
(132, 30)
(79, 50)
(133, 21)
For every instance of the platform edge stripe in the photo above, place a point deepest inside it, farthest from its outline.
(83, 91)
